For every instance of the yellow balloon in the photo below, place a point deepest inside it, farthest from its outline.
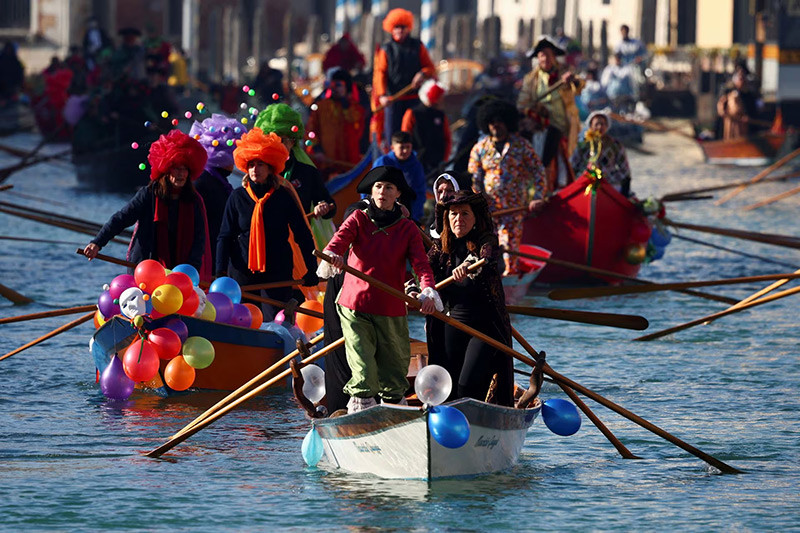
(209, 313)
(167, 299)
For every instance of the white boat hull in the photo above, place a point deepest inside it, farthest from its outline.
(393, 442)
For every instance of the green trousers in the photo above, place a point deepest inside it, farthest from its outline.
(378, 353)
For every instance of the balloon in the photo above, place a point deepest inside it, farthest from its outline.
(660, 237)
(167, 299)
(202, 299)
(140, 361)
(635, 253)
(228, 287)
(182, 281)
(209, 313)
(149, 273)
(448, 426)
(99, 319)
(177, 325)
(241, 316)
(166, 342)
(119, 284)
(198, 352)
(132, 303)
(658, 253)
(297, 334)
(190, 271)
(309, 324)
(106, 305)
(114, 383)
(222, 305)
(280, 317)
(433, 385)
(313, 382)
(640, 231)
(190, 304)
(561, 417)
(256, 316)
(312, 449)
(178, 375)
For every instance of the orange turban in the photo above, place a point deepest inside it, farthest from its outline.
(398, 17)
(255, 145)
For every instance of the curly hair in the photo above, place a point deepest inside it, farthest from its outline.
(498, 110)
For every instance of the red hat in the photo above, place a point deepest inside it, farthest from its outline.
(398, 17)
(255, 145)
(431, 92)
(176, 149)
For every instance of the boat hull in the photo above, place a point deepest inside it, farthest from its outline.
(239, 353)
(567, 227)
(393, 442)
(748, 151)
(515, 287)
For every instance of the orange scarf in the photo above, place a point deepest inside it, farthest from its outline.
(256, 252)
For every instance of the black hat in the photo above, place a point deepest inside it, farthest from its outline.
(128, 30)
(476, 201)
(390, 174)
(545, 43)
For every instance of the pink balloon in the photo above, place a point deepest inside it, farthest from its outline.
(119, 284)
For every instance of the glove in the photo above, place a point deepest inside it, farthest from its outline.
(325, 270)
(430, 292)
(310, 279)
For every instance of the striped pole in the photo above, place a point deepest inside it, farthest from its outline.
(354, 14)
(339, 16)
(427, 33)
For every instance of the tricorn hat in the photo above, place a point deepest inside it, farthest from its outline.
(542, 44)
(390, 174)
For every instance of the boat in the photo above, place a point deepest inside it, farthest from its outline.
(585, 227)
(747, 151)
(240, 353)
(111, 170)
(516, 287)
(394, 442)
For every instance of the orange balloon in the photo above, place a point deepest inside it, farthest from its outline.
(256, 314)
(309, 324)
(178, 375)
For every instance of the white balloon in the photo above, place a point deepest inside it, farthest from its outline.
(202, 299)
(131, 302)
(313, 382)
(433, 385)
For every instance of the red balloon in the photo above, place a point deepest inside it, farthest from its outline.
(182, 281)
(140, 361)
(166, 342)
(149, 274)
(256, 314)
(640, 231)
(190, 304)
(178, 375)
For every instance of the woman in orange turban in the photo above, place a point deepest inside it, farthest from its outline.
(262, 219)
(169, 214)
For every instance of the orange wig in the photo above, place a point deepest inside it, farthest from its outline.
(256, 145)
(398, 17)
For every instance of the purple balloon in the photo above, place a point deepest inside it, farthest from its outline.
(222, 305)
(241, 316)
(113, 381)
(119, 284)
(177, 325)
(107, 306)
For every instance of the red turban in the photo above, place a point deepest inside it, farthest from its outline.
(255, 145)
(398, 17)
(176, 149)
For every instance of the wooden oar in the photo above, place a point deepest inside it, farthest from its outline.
(597, 292)
(402, 92)
(623, 451)
(109, 259)
(731, 250)
(47, 314)
(94, 226)
(725, 468)
(715, 316)
(245, 388)
(6, 187)
(509, 211)
(760, 176)
(772, 199)
(766, 238)
(715, 188)
(13, 296)
(51, 222)
(161, 450)
(36, 198)
(47, 241)
(272, 285)
(25, 163)
(62, 329)
(758, 294)
(599, 272)
(689, 198)
(584, 317)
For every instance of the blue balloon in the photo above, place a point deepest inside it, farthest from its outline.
(561, 417)
(228, 287)
(312, 449)
(190, 271)
(448, 426)
(658, 253)
(660, 237)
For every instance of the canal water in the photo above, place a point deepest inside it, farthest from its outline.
(72, 461)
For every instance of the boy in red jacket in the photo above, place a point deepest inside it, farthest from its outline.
(374, 324)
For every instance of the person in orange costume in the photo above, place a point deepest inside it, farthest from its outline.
(399, 63)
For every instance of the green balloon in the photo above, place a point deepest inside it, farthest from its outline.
(198, 352)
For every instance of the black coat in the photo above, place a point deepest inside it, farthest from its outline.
(308, 183)
(215, 195)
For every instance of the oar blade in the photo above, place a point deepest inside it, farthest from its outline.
(614, 320)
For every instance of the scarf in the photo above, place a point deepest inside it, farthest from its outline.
(383, 218)
(256, 252)
(184, 232)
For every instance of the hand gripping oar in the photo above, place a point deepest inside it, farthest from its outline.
(716, 463)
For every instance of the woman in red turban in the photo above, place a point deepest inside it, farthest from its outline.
(264, 236)
(169, 215)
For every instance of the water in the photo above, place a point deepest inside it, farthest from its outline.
(70, 460)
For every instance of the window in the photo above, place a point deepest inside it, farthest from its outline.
(16, 14)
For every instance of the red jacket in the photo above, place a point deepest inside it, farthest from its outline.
(381, 254)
